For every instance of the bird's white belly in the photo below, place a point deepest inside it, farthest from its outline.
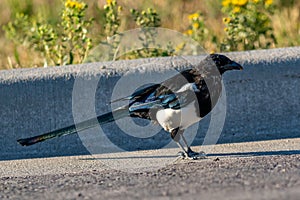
(170, 119)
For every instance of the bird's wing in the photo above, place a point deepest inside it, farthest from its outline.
(164, 97)
(139, 94)
(171, 100)
(180, 90)
(174, 93)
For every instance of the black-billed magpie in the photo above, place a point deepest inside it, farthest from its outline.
(174, 104)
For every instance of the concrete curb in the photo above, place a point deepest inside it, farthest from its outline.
(262, 101)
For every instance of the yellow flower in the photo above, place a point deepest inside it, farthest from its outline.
(120, 8)
(226, 20)
(179, 47)
(226, 3)
(194, 16)
(236, 9)
(226, 29)
(108, 2)
(239, 2)
(69, 4)
(256, 1)
(79, 6)
(195, 25)
(74, 4)
(189, 32)
(268, 2)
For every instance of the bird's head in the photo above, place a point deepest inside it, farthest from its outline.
(223, 63)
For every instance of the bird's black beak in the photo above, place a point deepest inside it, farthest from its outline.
(233, 65)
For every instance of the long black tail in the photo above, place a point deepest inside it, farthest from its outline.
(102, 119)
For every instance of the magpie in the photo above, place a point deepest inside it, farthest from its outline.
(174, 104)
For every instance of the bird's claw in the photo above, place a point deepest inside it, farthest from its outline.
(198, 155)
(181, 154)
(192, 155)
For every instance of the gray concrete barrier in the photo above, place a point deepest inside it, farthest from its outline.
(262, 101)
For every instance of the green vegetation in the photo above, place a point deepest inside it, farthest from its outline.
(66, 43)
(248, 25)
(60, 32)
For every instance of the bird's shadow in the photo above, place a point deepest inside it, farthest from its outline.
(131, 157)
(259, 153)
(241, 154)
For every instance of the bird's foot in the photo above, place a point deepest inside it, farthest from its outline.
(195, 155)
(181, 154)
(192, 155)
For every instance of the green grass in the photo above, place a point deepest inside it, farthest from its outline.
(173, 13)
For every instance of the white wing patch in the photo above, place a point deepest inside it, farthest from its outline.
(188, 86)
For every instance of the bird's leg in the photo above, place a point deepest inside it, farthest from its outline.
(182, 153)
(186, 143)
(175, 135)
(190, 153)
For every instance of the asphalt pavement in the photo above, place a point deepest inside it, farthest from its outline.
(253, 170)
